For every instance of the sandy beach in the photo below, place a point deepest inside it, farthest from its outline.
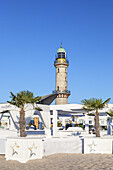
(62, 162)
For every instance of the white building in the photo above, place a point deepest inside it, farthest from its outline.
(49, 117)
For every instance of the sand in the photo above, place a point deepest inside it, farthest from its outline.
(62, 162)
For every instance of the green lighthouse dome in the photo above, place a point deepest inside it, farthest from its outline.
(61, 49)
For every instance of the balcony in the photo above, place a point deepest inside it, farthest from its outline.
(62, 62)
(61, 91)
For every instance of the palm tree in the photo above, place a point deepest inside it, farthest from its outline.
(19, 100)
(94, 104)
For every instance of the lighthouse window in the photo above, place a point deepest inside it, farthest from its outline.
(58, 88)
(61, 55)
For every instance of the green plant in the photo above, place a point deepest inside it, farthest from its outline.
(20, 100)
(59, 124)
(29, 124)
(94, 104)
(104, 127)
(90, 126)
(82, 126)
(76, 125)
(108, 119)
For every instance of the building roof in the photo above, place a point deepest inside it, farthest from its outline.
(61, 49)
(48, 99)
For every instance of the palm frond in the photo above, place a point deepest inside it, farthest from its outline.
(94, 104)
(38, 108)
(5, 111)
(91, 114)
(102, 105)
(106, 101)
(22, 98)
(110, 113)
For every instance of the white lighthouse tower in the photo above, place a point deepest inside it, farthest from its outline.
(61, 64)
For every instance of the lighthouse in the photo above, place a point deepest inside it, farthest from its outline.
(61, 64)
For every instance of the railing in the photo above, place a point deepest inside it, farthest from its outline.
(61, 91)
(62, 61)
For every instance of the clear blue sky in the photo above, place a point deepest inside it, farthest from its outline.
(30, 34)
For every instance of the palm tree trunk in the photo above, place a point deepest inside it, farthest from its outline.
(22, 123)
(97, 124)
(95, 121)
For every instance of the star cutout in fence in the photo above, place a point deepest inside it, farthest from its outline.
(91, 146)
(14, 149)
(32, 150)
